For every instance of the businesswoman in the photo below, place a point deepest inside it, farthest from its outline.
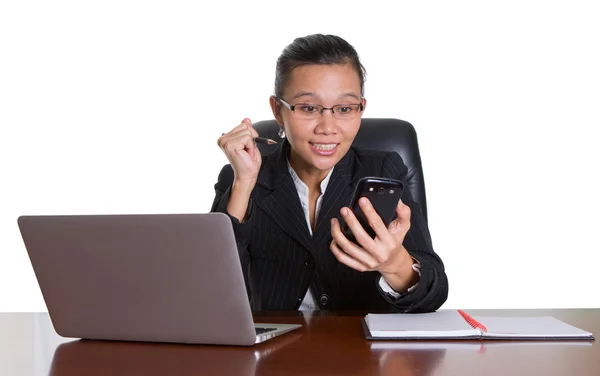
(286, 207)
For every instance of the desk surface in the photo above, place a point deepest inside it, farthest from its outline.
(327, 344)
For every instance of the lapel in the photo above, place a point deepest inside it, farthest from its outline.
(337, 194)
(280, 201)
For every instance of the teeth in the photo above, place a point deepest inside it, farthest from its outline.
(325, 146)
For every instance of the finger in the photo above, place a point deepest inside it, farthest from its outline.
(227, 136)
(246, 126)
(345, 259)
(221, 140)
(253, 150)
(402, 224)
(241, 140)
(351, 249)
(224, 141)
(249, 144)
(250, 127)
(375, 221)
(361, 236)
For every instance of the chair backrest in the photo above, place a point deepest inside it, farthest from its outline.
(376, 134)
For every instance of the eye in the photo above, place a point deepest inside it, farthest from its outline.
(308, 108)
(345, 109)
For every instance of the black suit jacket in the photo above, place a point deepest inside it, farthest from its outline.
(280, 258)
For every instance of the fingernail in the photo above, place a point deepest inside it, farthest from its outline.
(362, 201)
(344, 211)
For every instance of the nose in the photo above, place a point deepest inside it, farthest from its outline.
(326, 123)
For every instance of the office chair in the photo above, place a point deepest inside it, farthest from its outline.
(375, 134)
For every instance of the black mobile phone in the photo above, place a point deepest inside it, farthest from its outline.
(383, 193)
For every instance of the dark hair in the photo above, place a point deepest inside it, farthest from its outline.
(316, 49)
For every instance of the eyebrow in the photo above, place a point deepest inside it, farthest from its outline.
(309, 94)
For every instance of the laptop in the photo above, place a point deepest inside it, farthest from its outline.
(152, 278)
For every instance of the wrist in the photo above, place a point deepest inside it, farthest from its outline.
(404, 275)
(239, 198)
(242, 188)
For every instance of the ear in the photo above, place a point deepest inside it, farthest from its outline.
(364, 103)
(276, 108)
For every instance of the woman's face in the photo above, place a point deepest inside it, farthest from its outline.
(319, 143)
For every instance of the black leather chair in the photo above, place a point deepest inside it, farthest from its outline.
(376, 134)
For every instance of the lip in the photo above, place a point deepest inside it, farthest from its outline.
(323, 152)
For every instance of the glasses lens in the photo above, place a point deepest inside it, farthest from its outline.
(346, 111)
(307, 111)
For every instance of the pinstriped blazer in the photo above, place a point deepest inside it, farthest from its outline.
(280, 258)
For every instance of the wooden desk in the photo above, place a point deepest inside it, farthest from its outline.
(328, 344)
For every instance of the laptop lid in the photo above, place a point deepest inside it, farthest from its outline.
(160, 277)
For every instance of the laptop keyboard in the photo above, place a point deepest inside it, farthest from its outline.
(264, 330)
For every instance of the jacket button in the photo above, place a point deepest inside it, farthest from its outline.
(309, 263)
(324, 299)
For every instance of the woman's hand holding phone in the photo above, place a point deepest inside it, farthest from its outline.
(383, 253)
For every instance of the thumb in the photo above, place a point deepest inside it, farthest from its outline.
(401, 225)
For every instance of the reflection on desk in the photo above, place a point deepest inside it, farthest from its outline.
(488, 357)
(409, 361)
(86, 357)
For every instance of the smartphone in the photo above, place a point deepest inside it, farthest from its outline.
(383, 193)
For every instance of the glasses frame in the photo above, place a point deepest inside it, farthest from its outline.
(292, 107)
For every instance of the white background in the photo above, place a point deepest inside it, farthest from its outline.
(115, 107)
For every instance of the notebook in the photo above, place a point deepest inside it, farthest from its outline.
(149, 278)
(457, 324)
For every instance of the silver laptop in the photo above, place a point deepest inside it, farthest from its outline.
(153, 278)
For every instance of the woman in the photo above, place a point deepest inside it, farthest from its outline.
(285, 207)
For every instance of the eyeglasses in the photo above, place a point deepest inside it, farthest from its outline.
(309, 111)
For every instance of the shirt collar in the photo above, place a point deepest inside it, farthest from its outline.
(301, 186)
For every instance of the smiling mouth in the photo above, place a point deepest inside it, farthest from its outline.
(324, 147)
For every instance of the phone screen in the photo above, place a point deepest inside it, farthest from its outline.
(383, 194)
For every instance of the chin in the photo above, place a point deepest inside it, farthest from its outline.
(324, 166)
(325, 163)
